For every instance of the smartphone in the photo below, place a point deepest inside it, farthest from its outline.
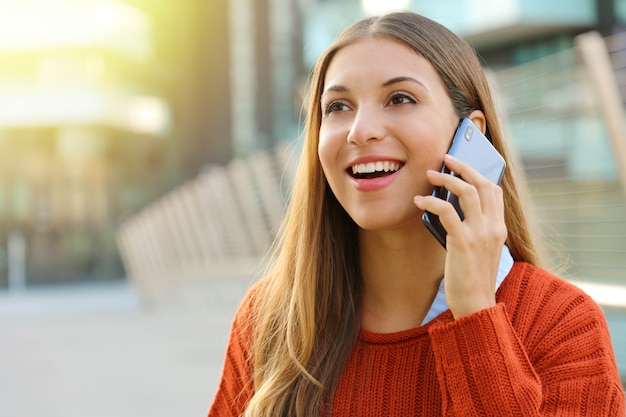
(472, 147)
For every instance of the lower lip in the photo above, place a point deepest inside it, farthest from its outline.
(373, 184)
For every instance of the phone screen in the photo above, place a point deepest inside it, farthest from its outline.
(472, 147)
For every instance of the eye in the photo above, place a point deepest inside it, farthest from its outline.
(400, 97)
(336, 106)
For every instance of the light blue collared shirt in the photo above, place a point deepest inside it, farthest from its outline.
(440, 304)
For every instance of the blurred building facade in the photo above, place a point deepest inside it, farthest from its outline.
(509, 32)
(81, 128)
(107, 104)
(134, 97)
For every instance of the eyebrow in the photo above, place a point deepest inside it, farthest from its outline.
(394, 80)
(401, 79)
(334, 88)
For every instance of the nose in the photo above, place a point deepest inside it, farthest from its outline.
(366, 126)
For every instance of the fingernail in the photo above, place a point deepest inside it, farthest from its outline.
(449, 157)
(418, 198)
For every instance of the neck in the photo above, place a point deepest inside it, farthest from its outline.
(401, 270)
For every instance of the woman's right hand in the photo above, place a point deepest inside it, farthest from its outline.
(473, 245)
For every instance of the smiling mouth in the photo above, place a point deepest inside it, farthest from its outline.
(374, 169)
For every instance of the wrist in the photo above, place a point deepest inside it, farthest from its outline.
(469, 307)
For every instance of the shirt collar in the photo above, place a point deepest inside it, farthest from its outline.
(440, 304)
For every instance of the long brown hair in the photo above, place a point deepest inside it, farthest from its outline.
(309, 316)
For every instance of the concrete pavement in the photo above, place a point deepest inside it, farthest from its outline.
(95, 351)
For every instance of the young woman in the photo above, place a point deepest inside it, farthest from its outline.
(354, 317)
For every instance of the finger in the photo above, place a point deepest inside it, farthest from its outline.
(469, 198)
(483, 205)
(446, 212)
(465, 170)
(490, 194)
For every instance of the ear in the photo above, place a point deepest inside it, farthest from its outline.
(478, 117)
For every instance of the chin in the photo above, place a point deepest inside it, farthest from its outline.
(378, 222)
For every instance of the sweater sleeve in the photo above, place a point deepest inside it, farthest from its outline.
(484, 368)
(235, 386)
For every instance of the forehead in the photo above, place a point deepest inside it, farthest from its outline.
(383, 58)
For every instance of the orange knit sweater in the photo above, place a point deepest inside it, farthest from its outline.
(543, 350)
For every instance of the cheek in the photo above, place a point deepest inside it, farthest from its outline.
(441, 138)
(428, 145)
(435, 153)
(327, 151)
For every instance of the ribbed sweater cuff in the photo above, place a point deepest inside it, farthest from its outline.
(468, 337)
(482, 350)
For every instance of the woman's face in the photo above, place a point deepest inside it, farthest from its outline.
(386, 119)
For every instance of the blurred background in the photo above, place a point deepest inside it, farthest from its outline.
(106, 106)
(149, 145)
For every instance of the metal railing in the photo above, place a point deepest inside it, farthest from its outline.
(220, 224)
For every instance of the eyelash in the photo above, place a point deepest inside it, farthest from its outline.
(400, 94)
(329, 110)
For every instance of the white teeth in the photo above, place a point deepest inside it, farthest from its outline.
(372, 167)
